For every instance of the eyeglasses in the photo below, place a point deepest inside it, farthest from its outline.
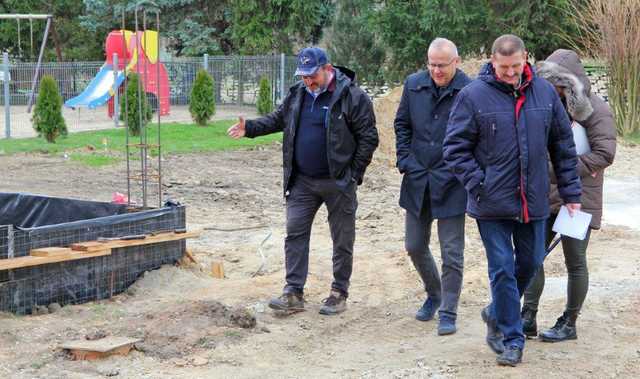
(441, 66)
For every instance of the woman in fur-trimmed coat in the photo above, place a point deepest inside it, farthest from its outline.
(565, 71)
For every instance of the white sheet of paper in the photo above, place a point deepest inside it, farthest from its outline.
(580, 139)
(574, 227)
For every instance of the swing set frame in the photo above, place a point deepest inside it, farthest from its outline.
(32, 17)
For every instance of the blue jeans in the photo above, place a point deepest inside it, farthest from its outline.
(514, 251)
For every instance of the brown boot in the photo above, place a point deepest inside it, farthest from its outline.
(334, 304)
(288, 302)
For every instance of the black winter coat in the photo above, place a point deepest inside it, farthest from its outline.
(350, 122)
(420, 126)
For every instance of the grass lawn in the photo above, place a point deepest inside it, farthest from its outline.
(103, 147)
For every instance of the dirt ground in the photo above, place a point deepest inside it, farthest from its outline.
(195, 326)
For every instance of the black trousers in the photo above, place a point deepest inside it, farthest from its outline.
(575, 258)
(306, 196)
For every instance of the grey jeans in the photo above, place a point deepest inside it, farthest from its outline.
(451, 236)
(306, 195)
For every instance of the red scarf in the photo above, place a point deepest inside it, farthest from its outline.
(528, 77)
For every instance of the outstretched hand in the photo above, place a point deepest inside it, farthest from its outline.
(237, 130)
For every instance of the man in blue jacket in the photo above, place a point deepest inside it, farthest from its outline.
(429, 189)
(502, 128)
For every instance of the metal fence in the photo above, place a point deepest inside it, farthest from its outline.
(236, 83)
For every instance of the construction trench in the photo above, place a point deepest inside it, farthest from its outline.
(66, 251)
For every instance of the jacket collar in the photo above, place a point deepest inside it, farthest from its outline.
(488, 75)
(330, 87)
(342, 78)
(424, 81)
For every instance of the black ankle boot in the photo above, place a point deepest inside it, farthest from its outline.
(529, 324)
(563, 330)
(511, 356)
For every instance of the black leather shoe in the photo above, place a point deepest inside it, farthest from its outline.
(563, 330)
(510, 357)
(529, 324)
(494, 336)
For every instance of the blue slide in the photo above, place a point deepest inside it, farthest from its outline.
(99, 91)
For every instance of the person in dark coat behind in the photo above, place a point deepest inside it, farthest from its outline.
(501, 129)
(429, 189)
(329, 136)
(564, 70)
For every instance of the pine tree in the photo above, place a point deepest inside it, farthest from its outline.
(133, 108)
(47, 116)
(202, 102)
(265, 98)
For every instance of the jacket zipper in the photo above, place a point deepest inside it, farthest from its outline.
(520, 217)
(327, 126)
(293, 129)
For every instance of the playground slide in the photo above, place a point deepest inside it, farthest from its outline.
(99, 91)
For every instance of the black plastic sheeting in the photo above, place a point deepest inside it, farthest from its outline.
(74, 282)
(111, 222)
(29, 211)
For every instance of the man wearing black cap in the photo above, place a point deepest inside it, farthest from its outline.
(329, 136)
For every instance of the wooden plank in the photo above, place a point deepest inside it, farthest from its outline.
(80, 355)
(189, 255)
(29, 261)
(97, 349)
(217, 270)
(101, 345)
(50, 251)
(158, 238)
(86, 250)
(86, 246)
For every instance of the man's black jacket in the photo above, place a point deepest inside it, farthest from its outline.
(350, 122)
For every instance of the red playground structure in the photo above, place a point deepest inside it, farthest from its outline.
(139, 52)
